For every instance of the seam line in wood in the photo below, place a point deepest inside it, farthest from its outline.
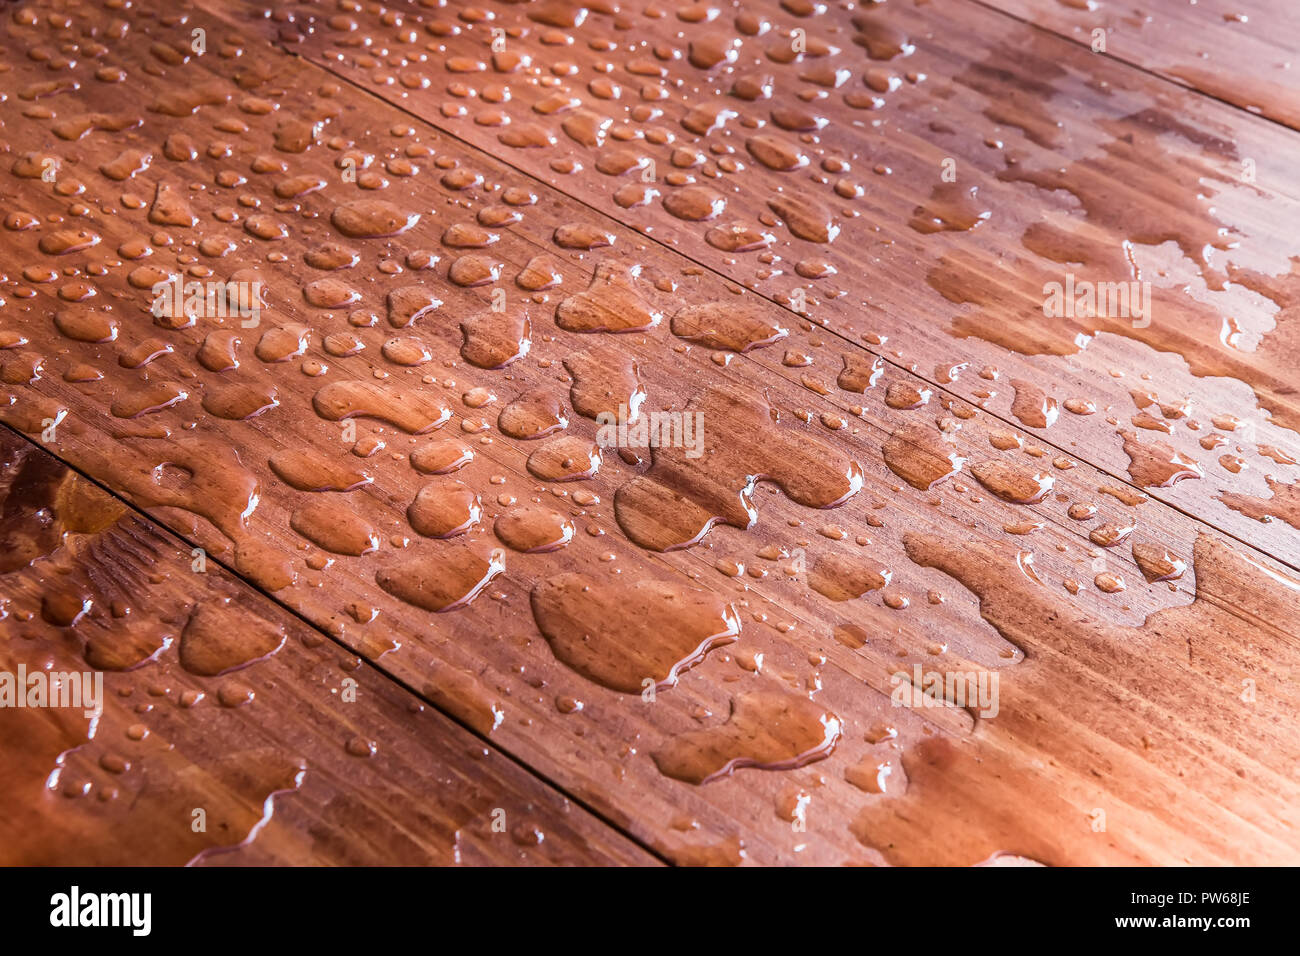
(1154, 74)
(1154, 493)
(168, 531)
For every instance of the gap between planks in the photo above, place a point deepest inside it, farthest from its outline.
(932, 333)
(1122, 477)
(450, 137)
(1155, 72)
(167, 531)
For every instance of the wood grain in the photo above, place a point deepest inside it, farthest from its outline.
(1150, 179)
(1102, 711)
(1241, 53)
(304, 756)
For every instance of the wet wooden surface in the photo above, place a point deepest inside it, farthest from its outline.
(282, 757)
(914, 519)
(305, 755)
(1240, 52)
(1062, 162)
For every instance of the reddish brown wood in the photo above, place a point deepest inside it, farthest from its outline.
(1085, 680)
(307, 756)
(1240, 52)
(1150, 176)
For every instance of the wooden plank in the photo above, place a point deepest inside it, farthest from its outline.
(297, 752)
(486, 661)
(1241, 53)
(1068, 167)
